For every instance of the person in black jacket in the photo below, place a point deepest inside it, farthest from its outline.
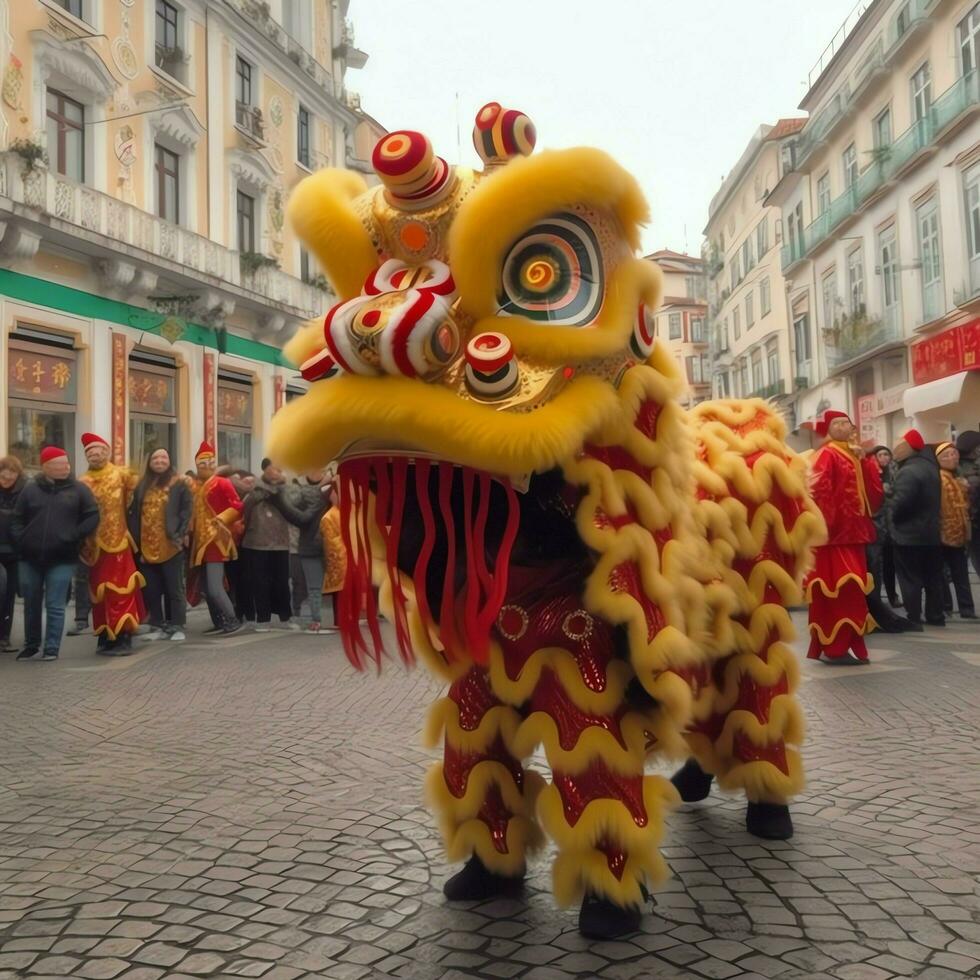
(12, 481)
(159, 517)
(915, 508)
(53, 516)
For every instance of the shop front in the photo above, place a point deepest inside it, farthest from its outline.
(945, 397)
(42, 392)
(235, 419)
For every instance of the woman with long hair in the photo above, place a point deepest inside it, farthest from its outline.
(12, 481)
(159, 518)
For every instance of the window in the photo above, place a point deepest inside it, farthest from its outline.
(674, 324)
(972, 187)
(305, 272)
(243, 81)
(747, 258)
(66, 135)
(697, 329)
(737, 323)
(823, 194)
(758, 381)
(968, 34)
(74, 7)
(828, 295)
(902, 21)
(152, 381)
(930, 258)
(762, 238)
(850, 162)
(303, 137)
(883, 129)
(801, 339)
(166, 26)
(694, 370)
(921, 92)
(749, 309)
(888, 262)
(772, 364)
(855, 280)
(694, 286)
(743, 373)
(765, 297)
(234, 417)
(167, 170)
(246, 222)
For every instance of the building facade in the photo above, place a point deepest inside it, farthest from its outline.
(681, 321)
(147, 276)
(751, 341)
(880, 210)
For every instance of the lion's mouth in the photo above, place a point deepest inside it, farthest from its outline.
(454, 533)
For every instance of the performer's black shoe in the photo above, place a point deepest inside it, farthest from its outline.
(124, 645)
(476, 882)
(601, 919)
(770, 821)
(692, 782)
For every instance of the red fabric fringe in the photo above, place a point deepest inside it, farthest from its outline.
(464, 620)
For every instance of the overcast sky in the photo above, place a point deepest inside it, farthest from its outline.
(673, 89)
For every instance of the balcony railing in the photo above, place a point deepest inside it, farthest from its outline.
(249, 119)
(959, 98)
(860, 335)
(125, 227)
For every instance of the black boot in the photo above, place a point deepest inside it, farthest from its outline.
(769, 820)
(692, 782)
(600, 918)
(475, 881)
(124, 645)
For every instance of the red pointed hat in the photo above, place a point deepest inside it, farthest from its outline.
(91, 439)
(49, 453)
(822, 425)
(204, 451)
(914, 438)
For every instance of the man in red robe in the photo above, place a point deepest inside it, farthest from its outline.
(217, 509)
(114, 583)
(846, 487)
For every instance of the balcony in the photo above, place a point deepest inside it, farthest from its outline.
(772, 390)
(248, 120)
(858, 335)
(49, 205)
(171, 61)
(890, 163)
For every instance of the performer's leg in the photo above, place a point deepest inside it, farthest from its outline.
(604, 814)
(215, 574)
(482, 795)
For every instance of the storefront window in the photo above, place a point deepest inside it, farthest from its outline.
(41, 393)
(152, 406)
(235, 419)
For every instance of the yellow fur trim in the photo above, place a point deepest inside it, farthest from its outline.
(124, 620)
(634, 282)
(867, 585)
(785, 725)
(135, 581)
(306, 342)
(310, 431)
(510, 201)
(608, 819)
(443, 721)
(523, 838)
(574, 873)
(762, 782)
(320, 213)
(868, 626)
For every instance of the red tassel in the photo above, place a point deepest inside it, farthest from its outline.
(476, 643)
(349, 604)
(394, 532)
(370, 599)
(495, 601)
(447, 613)
(421, 570)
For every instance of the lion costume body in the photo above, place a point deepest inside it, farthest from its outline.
(589, 568)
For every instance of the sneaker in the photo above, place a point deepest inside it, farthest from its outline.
(78, 629)
(213, 630)
(177, 636)
(8, 647)
(50, 655)
(262, 627)
(29, 653)
(313, 628)
(290, 626)
(233, 627)
(154, 634)
(968, 615)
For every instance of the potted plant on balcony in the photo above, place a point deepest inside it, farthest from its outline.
(251, 262)
(168, 59)
(32, 154)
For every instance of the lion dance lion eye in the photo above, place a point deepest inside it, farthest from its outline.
(553, 274)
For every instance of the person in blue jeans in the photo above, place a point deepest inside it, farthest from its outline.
(53, 516)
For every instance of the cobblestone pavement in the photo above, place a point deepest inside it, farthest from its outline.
(249, 807)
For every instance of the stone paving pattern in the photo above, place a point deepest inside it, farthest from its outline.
(250, 807)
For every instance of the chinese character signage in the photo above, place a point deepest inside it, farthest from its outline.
(151, 393)
(45, 377)
(118, 398)
(210, 430)
(950, 352)
(234, 406)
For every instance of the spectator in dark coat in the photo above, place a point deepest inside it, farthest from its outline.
(303, 505)
(54, 514)
(881, 559)
(915, 509)
(968, 446)
(12, 481)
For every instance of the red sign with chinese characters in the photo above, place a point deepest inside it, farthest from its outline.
(234, 406)
(118, 398)
(150, 392)
(210, 429)
(43, 376)
(949, 352)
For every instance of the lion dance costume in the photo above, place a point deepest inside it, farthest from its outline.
(587, 567)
